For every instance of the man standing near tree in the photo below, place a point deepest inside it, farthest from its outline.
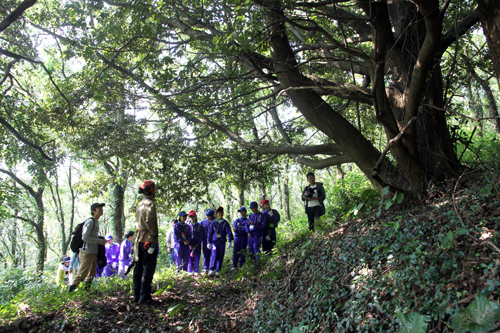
(88, 253)
(146, 245)
(313, 195)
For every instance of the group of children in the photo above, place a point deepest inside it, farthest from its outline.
(118, 259)
(186, 240)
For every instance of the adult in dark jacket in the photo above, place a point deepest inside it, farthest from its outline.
(313, 196)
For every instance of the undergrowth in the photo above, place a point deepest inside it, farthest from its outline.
(425, 265)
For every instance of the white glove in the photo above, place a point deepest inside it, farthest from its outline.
(230, 245)
(209, 246)
(268, 238)
(113, 265)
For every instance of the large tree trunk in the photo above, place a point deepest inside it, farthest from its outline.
(489, 15)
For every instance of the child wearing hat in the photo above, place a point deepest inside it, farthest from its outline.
(207, 253)
(125, 253)
(269, 236)
(62, 276)
(182, 235)
(112, 253)
(255, 229)
(195, 243)
(219, 232)
(240, 238)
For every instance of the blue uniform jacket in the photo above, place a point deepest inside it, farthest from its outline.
(240, 226)
(222, 228)
(260, 221)
(178, 230)
(205, 223)
(196, 234)
(273, 220)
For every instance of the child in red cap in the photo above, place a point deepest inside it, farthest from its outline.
(195, 244)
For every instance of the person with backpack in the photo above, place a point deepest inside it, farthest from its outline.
(89, 250)
(146, 245)
(125, 253)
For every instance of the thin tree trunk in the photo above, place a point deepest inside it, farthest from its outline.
(286, 194)
(491, 99)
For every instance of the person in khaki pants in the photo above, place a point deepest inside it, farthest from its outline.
(88, 253)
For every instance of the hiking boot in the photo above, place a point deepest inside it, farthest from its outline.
(87, 286)
(211, 273)
(71, 288)
(149, 302)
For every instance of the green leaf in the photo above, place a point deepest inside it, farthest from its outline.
(385, 191)
(478, 317)
(413, 322)
(379, 247)
(462, 231)
(400, 198)
(306, 244)
(447, 240)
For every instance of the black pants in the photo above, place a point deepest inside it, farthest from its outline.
(313, 214)
(143, 274)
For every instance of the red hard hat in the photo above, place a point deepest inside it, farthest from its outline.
(263, 202)
(147, 187)
(192, 213)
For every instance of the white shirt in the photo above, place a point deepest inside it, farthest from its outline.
(313, 203)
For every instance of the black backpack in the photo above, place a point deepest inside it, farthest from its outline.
(101, 255)
(77, 241)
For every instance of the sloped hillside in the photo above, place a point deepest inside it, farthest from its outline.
(416, 264)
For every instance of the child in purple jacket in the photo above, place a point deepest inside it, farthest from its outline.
(195, 244)
(219, 231)
(182, 236)
(125, 256)
(207, 253)
(112, 252)
(240, 238)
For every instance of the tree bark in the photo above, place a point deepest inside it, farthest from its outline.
(489, 15)
(491, 100)
(286, 194)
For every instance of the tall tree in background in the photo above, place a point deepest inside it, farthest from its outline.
(489, 14)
